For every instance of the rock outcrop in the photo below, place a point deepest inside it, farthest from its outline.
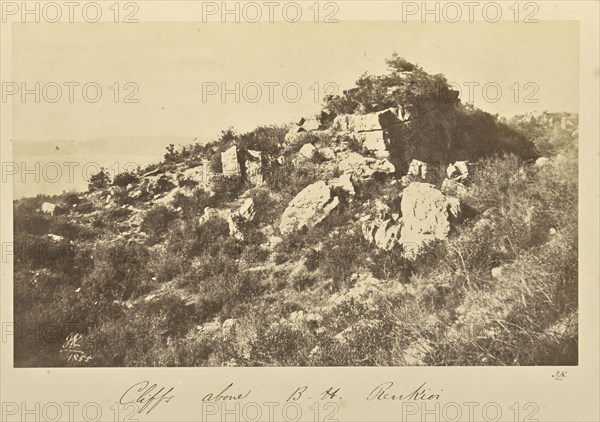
(308, 208)
(49, 208)
(425, 213)
(458, 171)
(364, 167)
(418, 168)
(244, 214)
(453, 188)
(55, 237)
(371, 129)
(309, 124)
(369, 122)
(327, 153)
(343, 182)
(243, 163)
(374, 142)
(303, 126)
(425, 217)
(229, 160)
(384, 234)
(308, 150)
(247, 212)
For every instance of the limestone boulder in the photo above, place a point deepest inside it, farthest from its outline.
(169, 198)
(310, 124)
(327, 153)
(375, 143)
(308, 208)
(458, 171)
(308, 150)
(418, 169)
(49, 208)
(234, 230)
(425, 214)
(301, 129)
(293, 133)
(364, 167)
(138, 193)
(231, 165)
(229, 327)
(425, 217)
(387, 235)
(55, 237)
(247, 212)
(454, 188)
(343, 182)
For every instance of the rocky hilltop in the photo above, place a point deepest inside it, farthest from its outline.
(397, 227)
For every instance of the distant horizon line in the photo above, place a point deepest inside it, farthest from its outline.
(207, 138)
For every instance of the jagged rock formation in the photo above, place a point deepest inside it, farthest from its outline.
(308, 208)
(371, 129)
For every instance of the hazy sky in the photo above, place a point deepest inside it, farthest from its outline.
(171, 62)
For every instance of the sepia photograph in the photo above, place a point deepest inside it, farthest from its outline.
(294, 194)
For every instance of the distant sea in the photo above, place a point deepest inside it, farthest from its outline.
(53, 167)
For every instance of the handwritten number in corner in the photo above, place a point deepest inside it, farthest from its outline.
(559, 375)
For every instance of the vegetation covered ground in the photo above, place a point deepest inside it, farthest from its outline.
(132, 280)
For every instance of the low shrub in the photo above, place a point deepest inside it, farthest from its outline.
(227, 188)
(193, 206)
(119, 272)
(124, 179)
(100, 180)
(156, 222)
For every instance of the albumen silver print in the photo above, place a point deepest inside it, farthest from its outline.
(259, 187)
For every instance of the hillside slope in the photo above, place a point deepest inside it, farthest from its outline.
(399, 227)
